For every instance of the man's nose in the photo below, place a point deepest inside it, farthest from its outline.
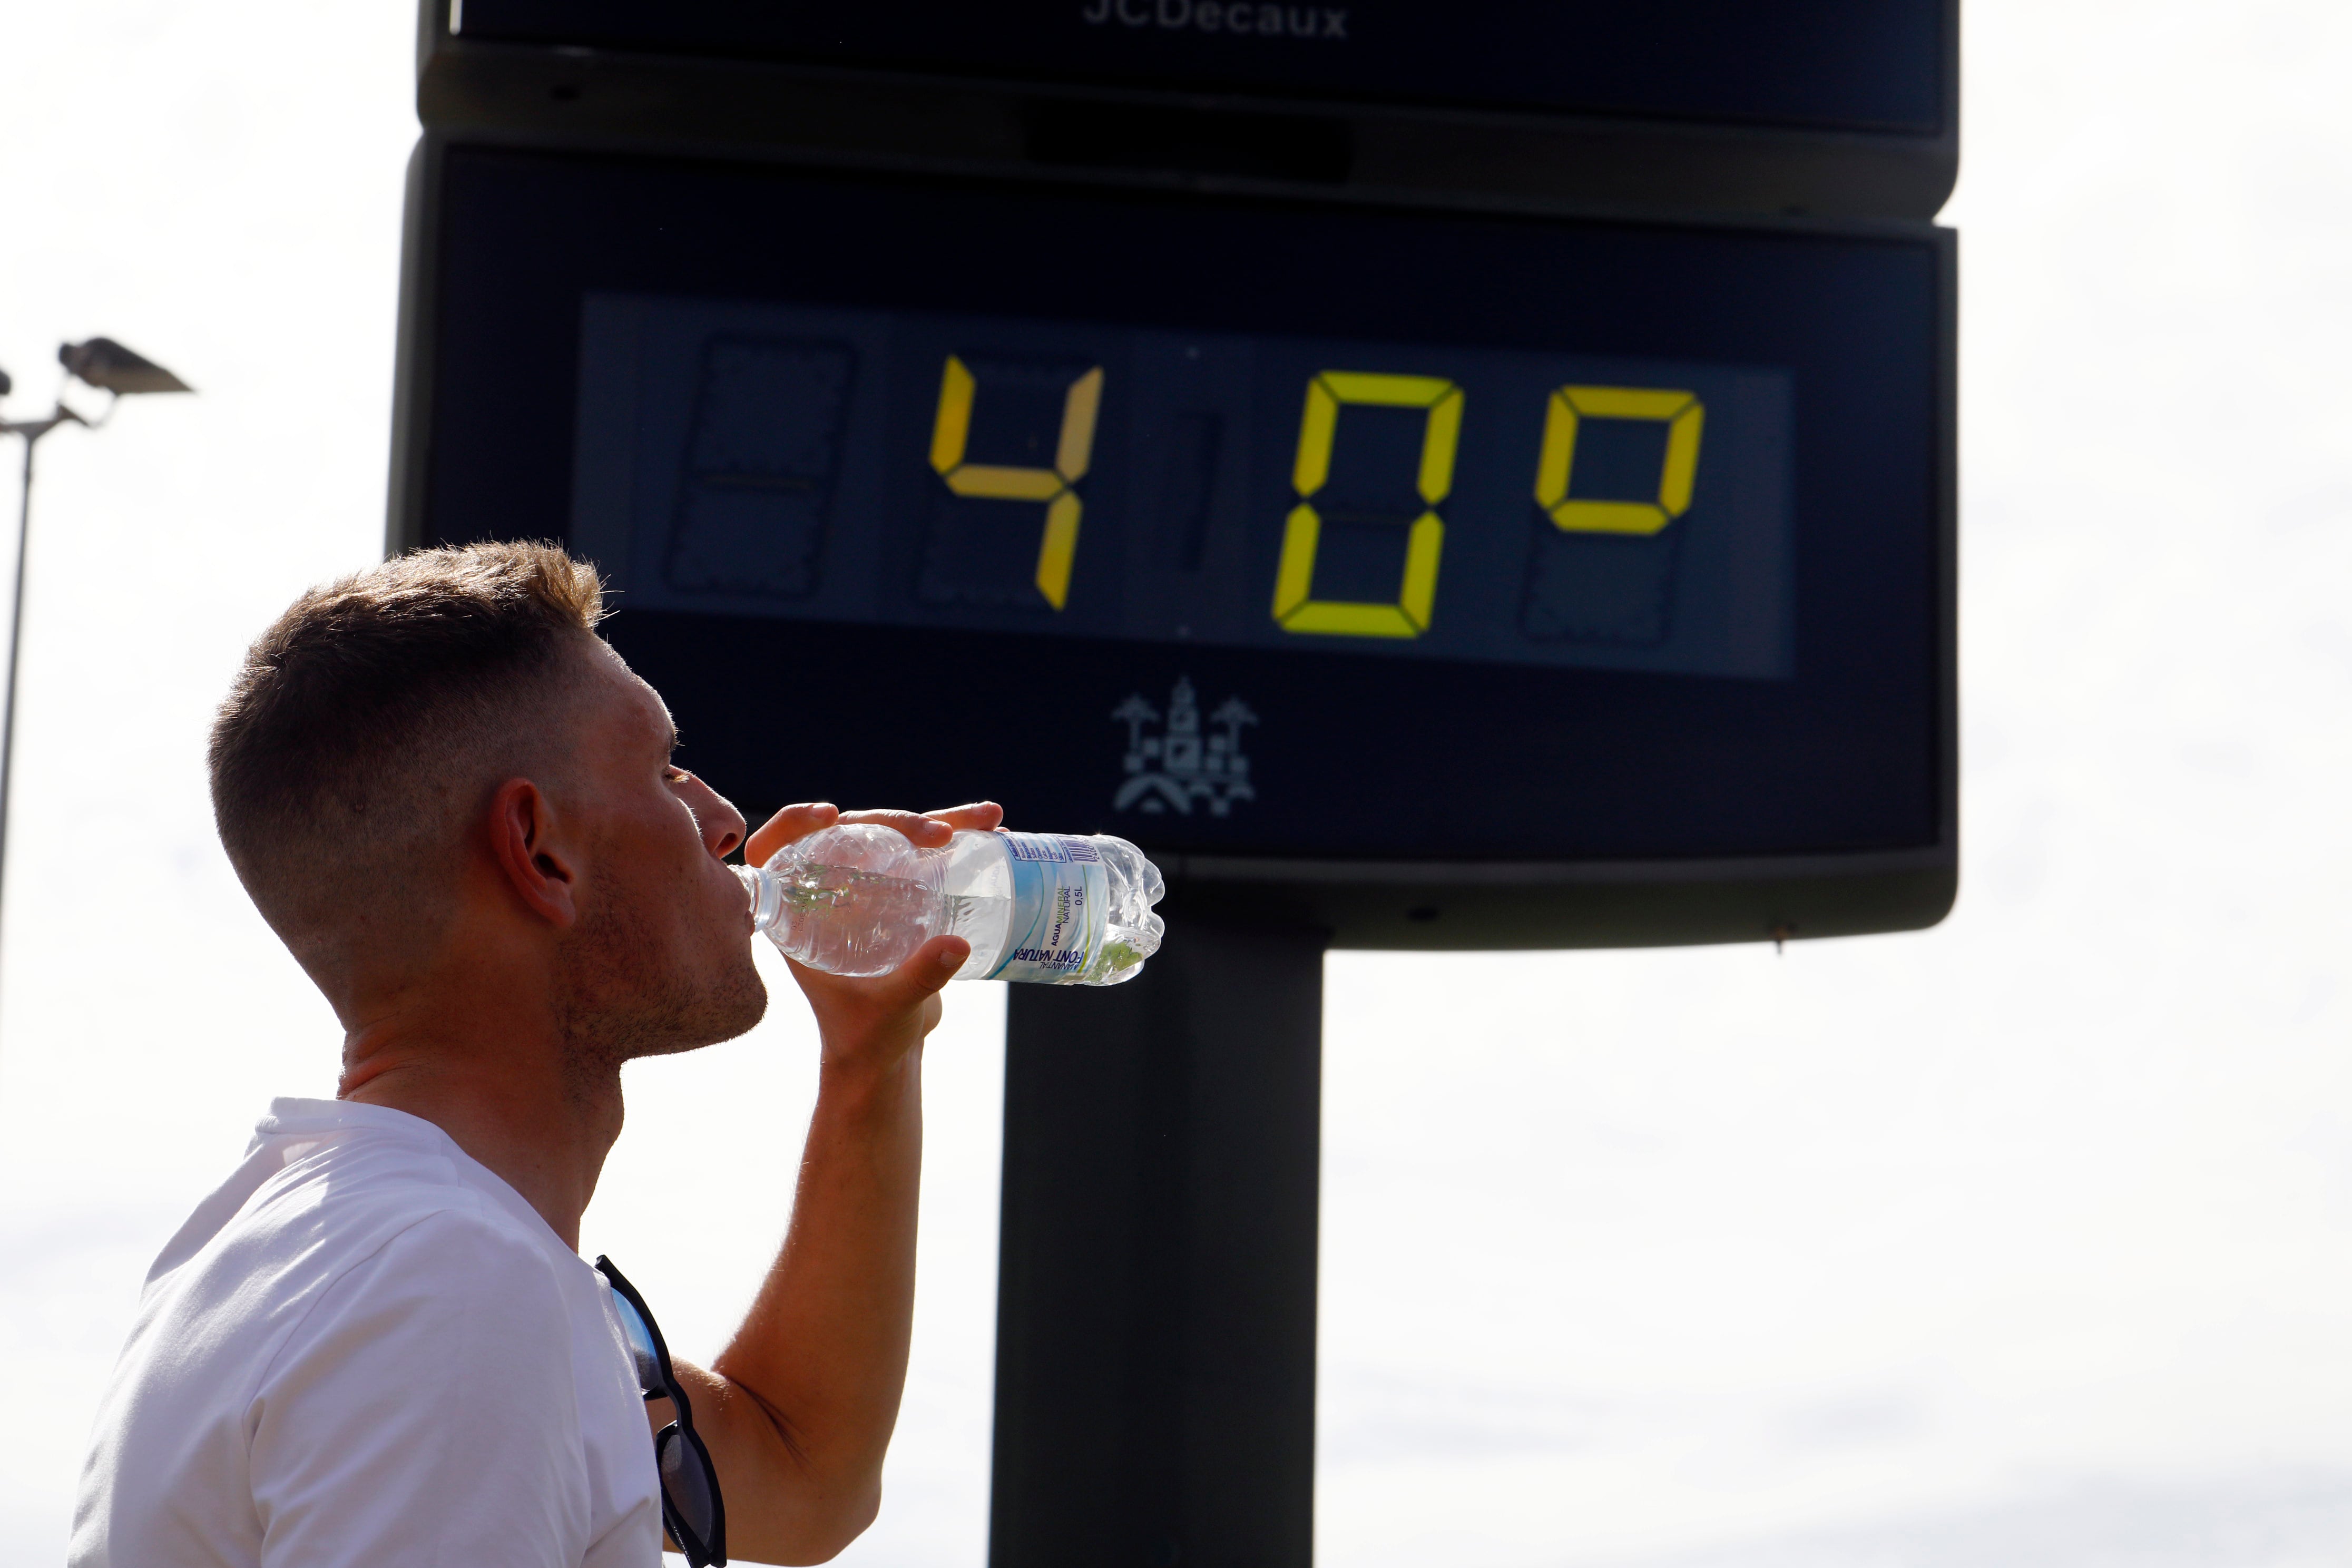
(722, 826)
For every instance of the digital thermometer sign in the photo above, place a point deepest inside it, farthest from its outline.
(1407, 566)
(1475, 476)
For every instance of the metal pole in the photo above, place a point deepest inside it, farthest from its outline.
(1155, 1335)
(32, 433)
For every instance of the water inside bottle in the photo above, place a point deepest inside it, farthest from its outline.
(849, 920)
(981, 919)
(846, 920)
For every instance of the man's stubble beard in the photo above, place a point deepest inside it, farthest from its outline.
(620, 999)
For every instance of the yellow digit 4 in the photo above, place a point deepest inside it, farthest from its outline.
(1682, 414)
(1058, 546)
(1319, 430)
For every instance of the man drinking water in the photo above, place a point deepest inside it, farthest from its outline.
(376, 1344)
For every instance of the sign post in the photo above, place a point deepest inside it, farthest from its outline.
(1155, 1360)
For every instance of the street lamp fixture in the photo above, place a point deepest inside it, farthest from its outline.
(107, 366)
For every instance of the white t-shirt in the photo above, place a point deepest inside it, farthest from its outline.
(364, 1350)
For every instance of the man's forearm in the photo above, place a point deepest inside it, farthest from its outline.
(806, 1394)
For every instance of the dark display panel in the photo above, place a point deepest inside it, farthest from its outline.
(1278, 744)
(1855, 65)
(1399, 499)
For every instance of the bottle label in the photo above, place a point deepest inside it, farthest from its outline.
(1061, 905)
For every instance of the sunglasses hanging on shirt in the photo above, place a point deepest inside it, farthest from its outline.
(692, 1511)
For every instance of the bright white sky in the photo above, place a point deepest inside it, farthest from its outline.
(2027, 1241)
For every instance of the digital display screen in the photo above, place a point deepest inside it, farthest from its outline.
(1397, 499)
(1240, 527)
(1855, 65)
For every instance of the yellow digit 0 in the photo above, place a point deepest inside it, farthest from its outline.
(1318, 429)
(1682, 414)
(1057, 548)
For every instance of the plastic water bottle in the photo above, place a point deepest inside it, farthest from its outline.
(858, 898)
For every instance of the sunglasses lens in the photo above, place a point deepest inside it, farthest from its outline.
(686, 1482)
(641, 1344)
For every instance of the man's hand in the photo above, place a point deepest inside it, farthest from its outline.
(798, 1409)
(873, 1023)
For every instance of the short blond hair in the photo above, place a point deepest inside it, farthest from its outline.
(369, 723)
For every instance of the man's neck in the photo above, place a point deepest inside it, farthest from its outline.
(503, 1088)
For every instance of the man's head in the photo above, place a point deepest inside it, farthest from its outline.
(439, 752)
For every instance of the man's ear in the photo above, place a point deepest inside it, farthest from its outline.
(530, 848)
